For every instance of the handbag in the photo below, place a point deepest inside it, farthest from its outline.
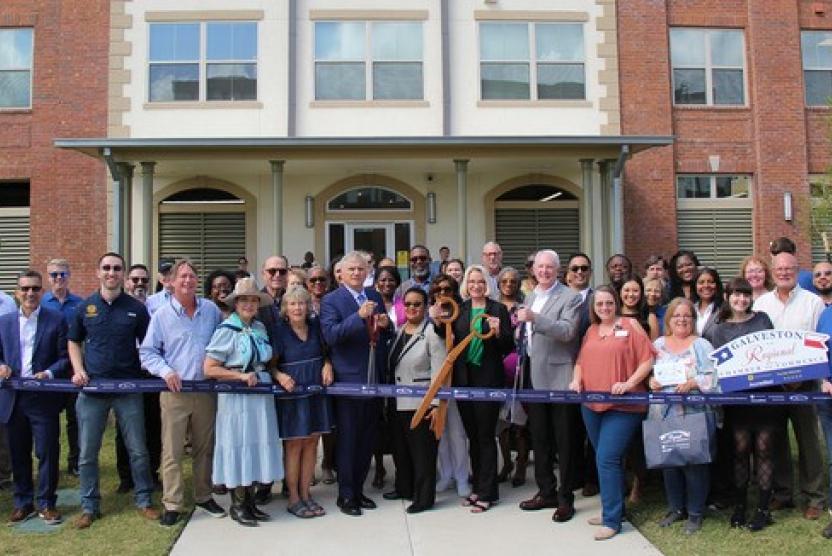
(678, 440)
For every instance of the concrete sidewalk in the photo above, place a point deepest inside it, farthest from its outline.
(389, 530)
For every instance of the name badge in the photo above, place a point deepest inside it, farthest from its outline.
(131, 315)
(622, 333)
(670, 373)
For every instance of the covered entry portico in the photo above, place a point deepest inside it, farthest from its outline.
(299, 193)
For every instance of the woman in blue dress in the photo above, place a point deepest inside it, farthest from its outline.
(301, 361)
(247, 448)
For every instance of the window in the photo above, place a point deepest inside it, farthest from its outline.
(708, 66)
(532, 61)
(713, 187)
(182, 53)
(16, 68)
(369, 198)
(356, 60)
(816, 47)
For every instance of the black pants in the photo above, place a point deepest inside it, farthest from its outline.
(153, 436)
(357, 422)
(414, 453)
(480, 422)
(72, 432)
(555, 429)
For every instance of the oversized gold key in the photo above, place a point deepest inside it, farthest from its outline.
(443, 377)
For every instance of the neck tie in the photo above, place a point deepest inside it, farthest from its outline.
(361, 298)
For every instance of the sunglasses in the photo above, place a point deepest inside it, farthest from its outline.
(579, 268)
(56, 275)
(418, 258)
(26, 289)
(820, 273)
(114, 268)
(138, 280)
(444, 289)
(278, 271)
(414, 304)
(318, 280)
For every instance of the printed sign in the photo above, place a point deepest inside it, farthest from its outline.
(670, 373)
(771, 357)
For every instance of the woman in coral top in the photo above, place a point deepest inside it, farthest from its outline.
(616, 357)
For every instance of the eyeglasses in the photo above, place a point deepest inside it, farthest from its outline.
(139, 280)
(35, 289)
(579, 268)
(278, 271)
(820, 273)
(682, 317)
(317, 280)
(113, 267)
(418, 259)
(785, 270)
(56, 275)
(413, 304)
(508, 281)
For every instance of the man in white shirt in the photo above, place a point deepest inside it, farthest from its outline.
(791, 307)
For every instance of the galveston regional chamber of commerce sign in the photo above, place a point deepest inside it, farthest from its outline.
(770, 358)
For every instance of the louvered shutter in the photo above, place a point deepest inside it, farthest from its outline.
(521, 231)
(14, 247)
(212, 240)
(720, 237)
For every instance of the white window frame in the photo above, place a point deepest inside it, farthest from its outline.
(532, 62)
(203, 62)
(714, 201)
(709, 67)
(813, 68)
(30, 69)
(368, 60)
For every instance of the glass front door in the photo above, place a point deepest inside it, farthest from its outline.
(383, 239)
(373, 238)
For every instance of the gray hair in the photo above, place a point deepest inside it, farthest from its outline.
(551, 253)
(296, 293)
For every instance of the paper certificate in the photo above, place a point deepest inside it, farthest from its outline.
(670, 373)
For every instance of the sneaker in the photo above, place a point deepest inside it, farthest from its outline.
(169, 518)
(693, 524)
(672, 517)
(19, 515)
(761, 520)
(211, 508)
(50, 516)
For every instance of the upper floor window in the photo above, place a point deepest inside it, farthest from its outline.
(712, 186)
(203, 61)
(16, 68)
(357, 60)
(816, 47)
(532, 61)
(708, 66)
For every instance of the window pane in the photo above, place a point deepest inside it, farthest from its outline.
(687, 47)
(726, 48)
(15, 89)
(392, 80)
(397, 41)
(560, 81)
(818, 87)
(505, 81)
(15, 48)
(171, 42)
(232, 41)
(344, 81)
(232, 82)
(559, 42)
(689, 86)
(174, 82)
(693, 187)
(817, 49)
(336, 241)
(369, 198)
(339, 41)
(728, 87)
(732, 186)
(504, 41)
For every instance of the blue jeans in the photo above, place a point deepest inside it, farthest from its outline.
(92, 411)
(825, 414)
(687, 488)
(610, 433)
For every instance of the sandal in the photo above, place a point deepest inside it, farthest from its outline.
(471, 500)
(314, 507)
(480, 507)
(301, 510)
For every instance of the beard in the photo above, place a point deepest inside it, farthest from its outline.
(825, 291)
(421, 273)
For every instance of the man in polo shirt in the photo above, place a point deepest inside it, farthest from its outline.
(160, 298)
(102, 344)
(174, 349)
(791, 307)
(61, 299)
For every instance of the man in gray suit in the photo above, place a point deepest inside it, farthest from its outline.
(552, 318)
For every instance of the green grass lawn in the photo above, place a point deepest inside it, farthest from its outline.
(120, 531)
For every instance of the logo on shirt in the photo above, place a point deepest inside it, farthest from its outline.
(92, 311)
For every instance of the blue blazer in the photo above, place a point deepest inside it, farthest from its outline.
(347, 337)
(49, 353)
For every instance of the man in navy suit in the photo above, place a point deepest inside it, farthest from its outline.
(348, 315)
(33, 345)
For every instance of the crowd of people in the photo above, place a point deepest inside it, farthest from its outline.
(542, 328)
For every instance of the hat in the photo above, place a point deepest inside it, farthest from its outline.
(247, 286)
(165, 264)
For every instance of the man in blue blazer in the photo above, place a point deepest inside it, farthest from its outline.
(33, 344)
(348, 315)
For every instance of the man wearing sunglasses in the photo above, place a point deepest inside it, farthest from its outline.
(420, 274)
(138, 282)
(103, 336)
(33, 345)
(62, 300)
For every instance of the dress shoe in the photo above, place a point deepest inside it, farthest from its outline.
(149, 513)
(366, 503)
(84, 521)
(392, 495)
(51, 516)
(693, 524)
(20, 515)
(605, 533)
(761, 520)
(351, 508)
(672, 517)
(563, 514)
(416, 508)
(169, 518)
(812, 513)
(538, 502)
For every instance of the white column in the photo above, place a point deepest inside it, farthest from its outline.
(148, 169)
(462, 208)
(587, 186)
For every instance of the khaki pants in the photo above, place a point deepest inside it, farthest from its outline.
(180, 413)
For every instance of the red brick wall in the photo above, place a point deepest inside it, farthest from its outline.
(69, 99)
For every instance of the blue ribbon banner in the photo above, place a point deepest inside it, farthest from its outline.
(105, 386)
